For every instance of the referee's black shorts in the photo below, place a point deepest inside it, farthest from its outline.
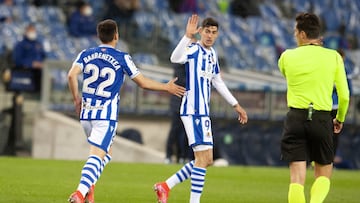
(305, 140)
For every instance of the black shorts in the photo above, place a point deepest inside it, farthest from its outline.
(305, 140)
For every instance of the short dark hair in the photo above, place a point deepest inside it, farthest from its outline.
(106, 30)
(309, 23)
(207, 22)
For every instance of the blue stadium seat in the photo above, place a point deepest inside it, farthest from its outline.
(332, 20)
(51, 14)
(65, 48)
(269, 10)
(146, 22)
(145, 58)
(351, 19)
(301, 5)
(255, 24)
(85, 42)
(57, 30)
(6, 11)
(11, 33)
(234, 58)
(27, 13)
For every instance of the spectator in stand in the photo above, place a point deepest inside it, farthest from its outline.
(81, 22)
(122, 11)
(29, 53)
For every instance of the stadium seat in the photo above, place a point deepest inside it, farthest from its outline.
(255, 24)
(11, 33)
(331, 20)
(145, 58)
(57, 30)
(269, 10)
(51, 14)
(146, 23)
(85, 42)
(351, 19)
(301, 5)
(27, 13)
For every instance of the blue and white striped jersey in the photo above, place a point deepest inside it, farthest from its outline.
(104, 70)
(201, 68)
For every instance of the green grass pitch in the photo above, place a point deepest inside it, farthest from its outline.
(25, 180)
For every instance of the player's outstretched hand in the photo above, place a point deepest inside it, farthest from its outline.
(243, 118)
(192, 26)
(175, 89)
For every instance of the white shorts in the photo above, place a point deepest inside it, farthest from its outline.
(100, 133)
(198, 131)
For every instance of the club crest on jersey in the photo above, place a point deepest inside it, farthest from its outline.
(197, 121)
(206, 74)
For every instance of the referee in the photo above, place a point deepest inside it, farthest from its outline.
(311, 71)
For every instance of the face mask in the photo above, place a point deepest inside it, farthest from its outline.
(31, 35)
(88, 11)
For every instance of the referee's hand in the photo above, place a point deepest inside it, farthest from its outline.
(337, 125)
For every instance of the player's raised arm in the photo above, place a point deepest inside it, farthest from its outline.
(192, 26)
(179, 53)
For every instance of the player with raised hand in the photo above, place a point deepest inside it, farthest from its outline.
(202, 72)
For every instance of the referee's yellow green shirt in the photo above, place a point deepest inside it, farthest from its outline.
(311, 72)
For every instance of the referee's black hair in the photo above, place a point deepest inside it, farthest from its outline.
(309, 23)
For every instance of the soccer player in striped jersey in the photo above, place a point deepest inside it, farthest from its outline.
(103, 69)
(202, 72)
